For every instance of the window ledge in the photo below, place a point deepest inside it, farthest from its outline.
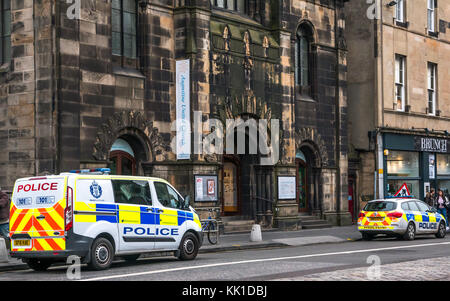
(304, 98)
(434, 34)
(402, 24)
(127, 72)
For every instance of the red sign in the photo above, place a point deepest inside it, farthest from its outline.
(38, 187)
(403, 191)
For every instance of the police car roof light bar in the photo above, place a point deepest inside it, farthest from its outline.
(104, 171)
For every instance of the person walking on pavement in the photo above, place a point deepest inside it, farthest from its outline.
(442, 204)
(430, 198)
(4, 215)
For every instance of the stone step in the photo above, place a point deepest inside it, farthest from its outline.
(235, 226)
(313, 222)
(316, 226)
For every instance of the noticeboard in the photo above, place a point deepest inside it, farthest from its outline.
(205, 187)
(286, 188)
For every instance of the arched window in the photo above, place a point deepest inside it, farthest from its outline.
(235, 5)
(124, 32)
(304, 60)
(122, 158)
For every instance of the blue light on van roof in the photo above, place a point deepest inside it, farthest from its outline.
(92, 170)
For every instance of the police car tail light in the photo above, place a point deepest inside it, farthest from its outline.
(68, 212)
(361, 215)
(395, 214)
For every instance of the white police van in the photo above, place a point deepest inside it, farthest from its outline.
(97, 216)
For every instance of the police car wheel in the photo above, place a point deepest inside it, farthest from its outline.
(39, 265)
(410, 233)
(102, 254)
(441, 231)
(189, 247)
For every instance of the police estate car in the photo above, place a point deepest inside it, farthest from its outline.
(96, 216)
(403, 217)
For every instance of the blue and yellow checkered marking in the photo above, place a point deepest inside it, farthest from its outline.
(129, 214)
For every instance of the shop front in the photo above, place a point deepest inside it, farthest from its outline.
(420, 162)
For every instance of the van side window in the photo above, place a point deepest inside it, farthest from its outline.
(132, 192)
(167, 196)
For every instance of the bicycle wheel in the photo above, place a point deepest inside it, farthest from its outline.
(212, 236)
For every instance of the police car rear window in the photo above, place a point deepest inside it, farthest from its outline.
(380, 206)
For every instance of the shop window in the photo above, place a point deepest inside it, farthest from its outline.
(403, 164)
(443, 165)
(5, 31)
(123, 39)
(393, 186)
(444, 185)
(132, 192)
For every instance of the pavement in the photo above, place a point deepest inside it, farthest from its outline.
(241, 241)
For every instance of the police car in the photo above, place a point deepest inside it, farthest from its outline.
(402, 217)
(97, 216)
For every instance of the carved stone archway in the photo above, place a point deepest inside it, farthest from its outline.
(131, 123)
(311, 138)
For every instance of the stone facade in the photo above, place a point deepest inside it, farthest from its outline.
(373, 113)
(65, 99)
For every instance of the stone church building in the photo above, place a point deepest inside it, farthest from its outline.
(96, 87)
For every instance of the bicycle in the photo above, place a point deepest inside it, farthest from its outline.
(210, 226)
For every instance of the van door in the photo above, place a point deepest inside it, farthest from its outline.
(171, 220)
(37, 214)
(137, 218)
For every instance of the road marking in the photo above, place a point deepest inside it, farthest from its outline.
(262, 260)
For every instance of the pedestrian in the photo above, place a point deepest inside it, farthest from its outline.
(4, 214)
(430, 198)
(442, 204)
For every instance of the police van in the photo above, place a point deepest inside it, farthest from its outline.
(97, 216)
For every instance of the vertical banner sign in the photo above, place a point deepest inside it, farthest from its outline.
(183, 122)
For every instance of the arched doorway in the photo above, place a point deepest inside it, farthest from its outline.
(231, 185)
(247, 188)
(308, 180)
(302, 201)
(122, 158)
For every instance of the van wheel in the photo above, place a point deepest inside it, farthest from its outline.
(131, 258)
(441, 231)
(39, 265)
(188, 247)
(410, 233)
(102, 254)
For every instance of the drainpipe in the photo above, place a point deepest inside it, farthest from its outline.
(338, 123)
